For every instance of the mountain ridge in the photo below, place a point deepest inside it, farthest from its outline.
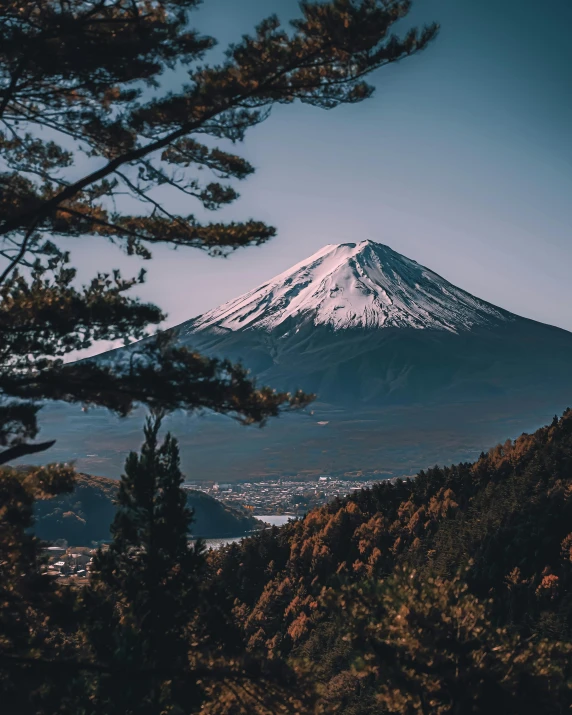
(86, 514)
(409, 336)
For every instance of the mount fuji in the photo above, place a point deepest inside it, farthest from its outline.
(360, 324)
(408, 369)
(364, 285)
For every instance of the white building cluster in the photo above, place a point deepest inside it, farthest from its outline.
(282, 496)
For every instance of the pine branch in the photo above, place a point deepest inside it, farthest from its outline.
(21, 450)
(20, 255)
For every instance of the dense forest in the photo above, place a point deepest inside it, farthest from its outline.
(85, 515)
(447, 593)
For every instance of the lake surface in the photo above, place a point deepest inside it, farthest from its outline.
(276, 519)
(272, 519)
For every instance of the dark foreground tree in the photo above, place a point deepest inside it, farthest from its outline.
(34, 611)
(149, 634)
(144, 590)
(145, 616)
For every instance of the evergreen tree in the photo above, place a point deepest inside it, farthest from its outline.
(144, 592)
(149, 622)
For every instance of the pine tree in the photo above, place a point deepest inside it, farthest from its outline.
(149, 622)
(145, 587)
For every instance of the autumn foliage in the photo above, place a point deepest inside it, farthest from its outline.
(447, 593)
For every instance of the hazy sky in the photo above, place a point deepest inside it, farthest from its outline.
(462, 161)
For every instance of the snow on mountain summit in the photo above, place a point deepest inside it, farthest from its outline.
(351, 285)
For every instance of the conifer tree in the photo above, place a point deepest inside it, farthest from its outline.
(144, 592)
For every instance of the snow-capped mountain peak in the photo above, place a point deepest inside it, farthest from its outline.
(354, 285)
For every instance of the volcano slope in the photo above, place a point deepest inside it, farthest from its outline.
(408, 369)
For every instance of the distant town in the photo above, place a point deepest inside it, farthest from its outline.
(68, 562)
(282, 496)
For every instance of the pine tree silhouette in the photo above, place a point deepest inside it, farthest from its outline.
(145, 586)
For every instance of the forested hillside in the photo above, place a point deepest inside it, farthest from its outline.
(447, 593)
(85, 515)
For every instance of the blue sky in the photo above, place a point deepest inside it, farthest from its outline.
(462, 161)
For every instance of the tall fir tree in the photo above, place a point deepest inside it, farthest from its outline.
(149, 614)
(143, 597)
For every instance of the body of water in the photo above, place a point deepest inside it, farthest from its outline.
(275, 519)
(272, 519)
